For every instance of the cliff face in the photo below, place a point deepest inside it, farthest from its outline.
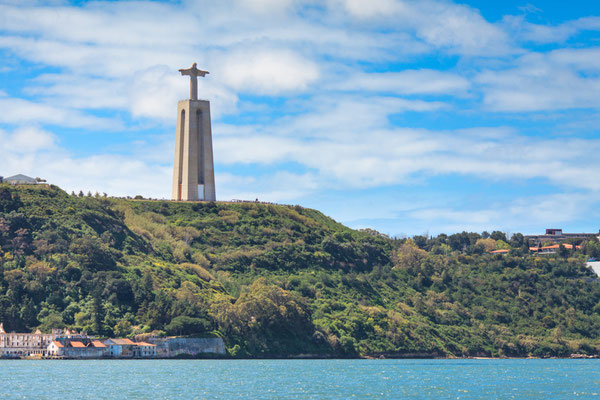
(280, 280)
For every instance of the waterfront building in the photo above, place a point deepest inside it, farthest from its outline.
(144, 350)
(186, 347)
(77, 348)
(120, 347)
(14, 345)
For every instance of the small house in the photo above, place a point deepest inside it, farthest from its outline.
(83, 348)
(120, 347)
(144, 350)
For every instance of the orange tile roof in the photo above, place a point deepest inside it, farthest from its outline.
(145, 344)
(97, 343)
(122, 342)
(77, 344)
(57, 343)
(554, 246)
(502, 251)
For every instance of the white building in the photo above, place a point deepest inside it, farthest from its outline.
(13, 345)
(120, 347)
(83, 348)
(144, 350)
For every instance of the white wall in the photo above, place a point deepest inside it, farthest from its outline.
(595, 266)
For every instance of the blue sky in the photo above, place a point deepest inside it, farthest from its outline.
(408, 117)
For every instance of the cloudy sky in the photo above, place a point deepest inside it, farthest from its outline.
(408, 117)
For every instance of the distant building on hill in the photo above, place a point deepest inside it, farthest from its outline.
(551, 249)
(557, 235)
(21, 179)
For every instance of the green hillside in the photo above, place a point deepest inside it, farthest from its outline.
(282, 281)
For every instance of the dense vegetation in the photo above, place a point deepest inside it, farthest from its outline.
(281, 280)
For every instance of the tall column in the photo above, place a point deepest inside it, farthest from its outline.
(193, 153)
(193, 145)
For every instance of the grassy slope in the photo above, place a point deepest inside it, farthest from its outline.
(277, 280)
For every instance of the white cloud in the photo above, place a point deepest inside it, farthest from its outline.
(267, 71)
(268, 6)
(20, 111)
(423, 81)
(370, 9)
(557, 80)
(532, 214)
(330, 65)
(107, 23)
(151, 93)
(442, 24)
(351, 144)
(35, 152)
(530, 32)
(28, 140)
(279, 187)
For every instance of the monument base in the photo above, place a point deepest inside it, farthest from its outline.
(193, 153)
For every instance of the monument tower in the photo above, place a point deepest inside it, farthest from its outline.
(193, 166)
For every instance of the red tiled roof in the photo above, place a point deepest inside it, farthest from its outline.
(126, 342)
(97, 343)
(77, 344)
(502, 251)
(554, 246)
(57, 343)
(145, 344)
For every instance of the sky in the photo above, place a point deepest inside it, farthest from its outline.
(408, 117)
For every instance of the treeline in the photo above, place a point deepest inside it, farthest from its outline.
(280, 280)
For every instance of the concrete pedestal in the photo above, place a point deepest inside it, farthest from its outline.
(193, 153)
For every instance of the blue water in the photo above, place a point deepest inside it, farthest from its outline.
(300, 379)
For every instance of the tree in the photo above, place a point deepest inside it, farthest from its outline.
(9, 201)
(80, 193)
(123, 328)
(183, 325)
(97, 312)
(497, 235)
(408, 256)
(93, 254)
(488, 244)
(517, 240)
(563, 251)
(51, 321)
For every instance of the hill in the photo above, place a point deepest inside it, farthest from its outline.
(276, 280)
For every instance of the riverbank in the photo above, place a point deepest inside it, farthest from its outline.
(311, 357)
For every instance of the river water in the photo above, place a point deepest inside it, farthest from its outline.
(300, 379)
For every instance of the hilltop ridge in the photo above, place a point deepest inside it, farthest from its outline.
(277, 280)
